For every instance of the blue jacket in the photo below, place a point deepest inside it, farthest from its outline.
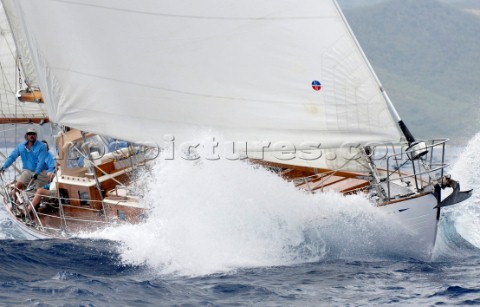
(32, 160)
(49, 164)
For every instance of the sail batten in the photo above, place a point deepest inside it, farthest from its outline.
(275, 71)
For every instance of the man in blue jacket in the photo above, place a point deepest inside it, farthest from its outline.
(49, 165)
(33, 154)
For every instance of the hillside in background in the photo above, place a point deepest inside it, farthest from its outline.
(460, 4)
(426, 53)
(348, 4)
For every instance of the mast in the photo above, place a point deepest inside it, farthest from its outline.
(403, 127)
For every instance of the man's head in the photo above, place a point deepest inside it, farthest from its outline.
(31, 135)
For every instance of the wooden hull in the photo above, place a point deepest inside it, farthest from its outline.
(77, 220)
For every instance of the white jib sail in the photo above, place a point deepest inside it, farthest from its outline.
(270, 70)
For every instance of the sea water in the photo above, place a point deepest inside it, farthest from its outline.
(225, 233)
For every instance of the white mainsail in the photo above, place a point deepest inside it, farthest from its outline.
(269, 70)
(11, 110)
(20, 43)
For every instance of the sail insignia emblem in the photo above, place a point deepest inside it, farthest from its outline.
(316, 85)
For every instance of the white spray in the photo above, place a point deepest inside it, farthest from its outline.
(216, 216)
(467, 170)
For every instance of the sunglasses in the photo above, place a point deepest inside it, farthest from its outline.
(31, 133)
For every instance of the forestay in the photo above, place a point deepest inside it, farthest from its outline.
(269, 70)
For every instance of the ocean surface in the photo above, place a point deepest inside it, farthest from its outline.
(225, 234)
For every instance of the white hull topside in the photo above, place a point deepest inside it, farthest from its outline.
(418, 216)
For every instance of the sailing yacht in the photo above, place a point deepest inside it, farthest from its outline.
(287, 81)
